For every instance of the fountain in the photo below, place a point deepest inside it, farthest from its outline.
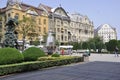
(50, 44)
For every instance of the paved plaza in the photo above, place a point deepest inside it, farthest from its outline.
(99, 67)
(104, 57)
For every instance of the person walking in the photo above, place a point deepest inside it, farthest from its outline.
(69, 51)
(116, 51)
(62, 51)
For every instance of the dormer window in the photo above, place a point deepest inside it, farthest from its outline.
(32, 12)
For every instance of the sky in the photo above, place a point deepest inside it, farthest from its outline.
(98, 11)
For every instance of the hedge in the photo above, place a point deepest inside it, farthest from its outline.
(56, 55)
(10, 56)
(33, 53)
(35, 65)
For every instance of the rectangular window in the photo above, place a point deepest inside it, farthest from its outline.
(44, 30)
(58, 29)
(44, 22)
(39, 29)
(62, 37)
(62, 30)
(39, 21)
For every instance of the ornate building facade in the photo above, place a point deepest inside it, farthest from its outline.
(81, 28)
(16, 9)
(59, 23)
(66, 27)
(106, 32)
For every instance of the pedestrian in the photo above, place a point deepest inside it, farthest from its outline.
(116, 51)
(69, 51)
(62, 51)
(57, 50)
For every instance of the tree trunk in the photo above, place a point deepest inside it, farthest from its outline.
(23, 44)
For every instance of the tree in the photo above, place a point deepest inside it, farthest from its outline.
(75, 45)
(56, 42)
(99, 46)
(1, 35)
(26, 26)
(111, 45)
(79, 45)
(92, 46)
(119, 44)
(96, 43)
(85, 45)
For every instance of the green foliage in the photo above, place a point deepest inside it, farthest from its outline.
(56, 55)
(99, 45)
(118, 44)
(56, 42)
(92, 46)
(10, 55)
(28, 66)
(75, 45)
(111, 45)
(27, 27)
(47, 58)
(96, 43)
(33, 53)
(35, 43)
(85, 45)
(79, 45)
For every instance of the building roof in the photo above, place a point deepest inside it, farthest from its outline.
(76, 17)
(103, 25)
(2, 10)
(25, 7)
(48, 8)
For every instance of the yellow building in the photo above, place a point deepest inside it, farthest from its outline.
(16, 9)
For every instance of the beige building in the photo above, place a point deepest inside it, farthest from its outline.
(66, 27)
(81, 27)
(16, 9)
(106, 32)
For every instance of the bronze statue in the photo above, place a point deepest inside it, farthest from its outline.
(10, 35)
